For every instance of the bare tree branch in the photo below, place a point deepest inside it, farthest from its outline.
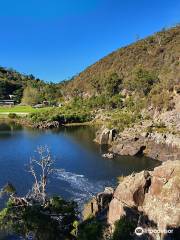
(42, 173)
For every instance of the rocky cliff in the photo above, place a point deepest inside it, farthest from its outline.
(142, 139)
(151, 199)
(149, 139)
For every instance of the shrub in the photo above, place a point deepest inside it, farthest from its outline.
(122, 119)
(62, 115)
(120, 178)
(35, 219)
(124, 229)
(12, 115)
(90, 229)
(142, 81)
(162, 101)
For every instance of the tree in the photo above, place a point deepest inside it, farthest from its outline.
(37, 215)
(112, 84)
(96, 83)
(45, 165)
(50, 92)
(142, 81)
(31, 96)
(7, 88)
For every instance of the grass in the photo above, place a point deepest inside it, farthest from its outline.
(20, 109)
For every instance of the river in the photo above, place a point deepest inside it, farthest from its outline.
(81, 170)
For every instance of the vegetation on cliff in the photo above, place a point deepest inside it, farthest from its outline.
(157, 56)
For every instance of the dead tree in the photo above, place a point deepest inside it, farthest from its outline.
(41, 169)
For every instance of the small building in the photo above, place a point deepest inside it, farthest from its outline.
(7, 102)
(12, 97)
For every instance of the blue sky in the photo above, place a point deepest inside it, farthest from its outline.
(56, 39)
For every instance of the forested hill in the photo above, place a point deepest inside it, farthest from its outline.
(14, 83)
(157, 55)
(149, 67)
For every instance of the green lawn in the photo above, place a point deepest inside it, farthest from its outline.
(20, 109)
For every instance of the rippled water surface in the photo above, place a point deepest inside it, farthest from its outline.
(80, 169)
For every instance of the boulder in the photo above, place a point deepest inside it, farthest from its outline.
(98, 203)
(162, 202)
(91, 208)
(108, 155)
(154, 196)
(129, 146)
(155, 145)
(47, 125)
(105, 136)
(132, 189)
(130, 193)
(116, 211)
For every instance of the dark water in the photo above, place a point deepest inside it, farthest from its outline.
(81, 171)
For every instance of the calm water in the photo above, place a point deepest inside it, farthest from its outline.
(81, 169)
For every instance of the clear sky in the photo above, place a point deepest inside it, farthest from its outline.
(56, 39)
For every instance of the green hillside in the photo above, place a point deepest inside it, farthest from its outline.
(156, 56)
(14, 83)
(142, 75)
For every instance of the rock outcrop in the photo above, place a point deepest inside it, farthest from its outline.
(47, 125)
(98, 204)
(105, 136)
(150, 197)
(108, 155)
(162, 201)
(145, 139)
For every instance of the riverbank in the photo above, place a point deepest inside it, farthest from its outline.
(147, 201)
(154, 134)
(150, 138)
(142, 139)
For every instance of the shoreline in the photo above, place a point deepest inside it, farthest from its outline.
(24, 122)
(158, 146)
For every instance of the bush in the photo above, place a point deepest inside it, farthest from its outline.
(122, 119)
(135, 103)
(12, 115)
(62, 115)
(124, 229)
(162, 101)
(90, 229)
(27, 220)
(142, 81)
(120, 178)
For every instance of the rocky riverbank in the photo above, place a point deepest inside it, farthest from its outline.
(148, 138)
(150, 199)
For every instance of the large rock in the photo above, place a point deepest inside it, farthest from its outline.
(162, 202)
(105, 136)
(132, 189)
(98, 203)
(116, 211)
(47, 125)
(130, 193)
(129, 148)
(155, 145)
(142, 138)
(155, 196)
